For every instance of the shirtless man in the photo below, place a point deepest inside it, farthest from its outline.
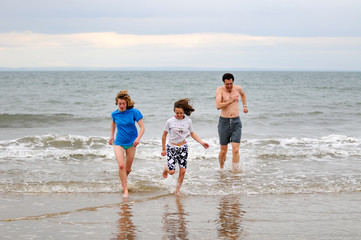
(229, 125)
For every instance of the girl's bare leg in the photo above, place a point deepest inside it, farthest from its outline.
(130, 153)
(119, 155)
(182, 172)
(165, 171)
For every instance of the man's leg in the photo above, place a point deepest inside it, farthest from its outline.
(235, 153)
(222, 155)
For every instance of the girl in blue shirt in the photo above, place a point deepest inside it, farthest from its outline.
(127, 137)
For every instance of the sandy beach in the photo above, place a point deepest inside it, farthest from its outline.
(160, 215)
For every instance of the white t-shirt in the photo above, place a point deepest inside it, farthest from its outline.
(178, 129)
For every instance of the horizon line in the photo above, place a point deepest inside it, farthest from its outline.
(5, 69)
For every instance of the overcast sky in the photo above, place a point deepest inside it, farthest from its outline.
(212, 34)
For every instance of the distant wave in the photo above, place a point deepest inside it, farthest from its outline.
(39, 120)
(31, 120)
(56, 146)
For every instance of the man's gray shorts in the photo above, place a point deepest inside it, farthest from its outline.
(229, 130)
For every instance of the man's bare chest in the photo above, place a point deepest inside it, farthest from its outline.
(228, 95)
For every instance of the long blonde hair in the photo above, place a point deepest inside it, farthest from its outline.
(124, 95)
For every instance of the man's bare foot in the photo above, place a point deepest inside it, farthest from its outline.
(221, 163)
(235, 167)
(178, 194)
(165, 171)
(125, 194)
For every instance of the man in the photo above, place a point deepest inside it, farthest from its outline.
(229, 125)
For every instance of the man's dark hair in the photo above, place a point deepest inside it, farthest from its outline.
(228, 76)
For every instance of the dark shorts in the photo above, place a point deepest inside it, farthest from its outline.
(229, 130)
(177, 155)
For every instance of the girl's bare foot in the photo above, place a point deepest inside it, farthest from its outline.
(165, 171)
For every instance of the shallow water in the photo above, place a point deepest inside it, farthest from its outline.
(302, 133)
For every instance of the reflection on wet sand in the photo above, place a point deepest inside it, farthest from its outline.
(126, 227)
(175, 222)
(230, 218)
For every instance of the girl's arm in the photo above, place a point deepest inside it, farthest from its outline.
(164, 138)
(141, 132)
(112, 131)
(195, 137)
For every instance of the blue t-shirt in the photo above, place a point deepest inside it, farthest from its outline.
(126, 130)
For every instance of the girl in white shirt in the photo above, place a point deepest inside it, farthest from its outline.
(179, 128)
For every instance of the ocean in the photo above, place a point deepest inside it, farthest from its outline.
(302, 134)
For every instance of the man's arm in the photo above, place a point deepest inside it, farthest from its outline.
(243, 99)
(219, 103)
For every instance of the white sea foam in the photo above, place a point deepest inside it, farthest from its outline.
(69, 163)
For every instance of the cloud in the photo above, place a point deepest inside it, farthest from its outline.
(205, 50)
(307, 18)
(196, 40)
(308, 34)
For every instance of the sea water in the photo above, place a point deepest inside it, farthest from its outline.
(302, 133)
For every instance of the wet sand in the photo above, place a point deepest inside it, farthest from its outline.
(158, 215)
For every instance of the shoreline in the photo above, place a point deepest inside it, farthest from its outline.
(149, 215)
